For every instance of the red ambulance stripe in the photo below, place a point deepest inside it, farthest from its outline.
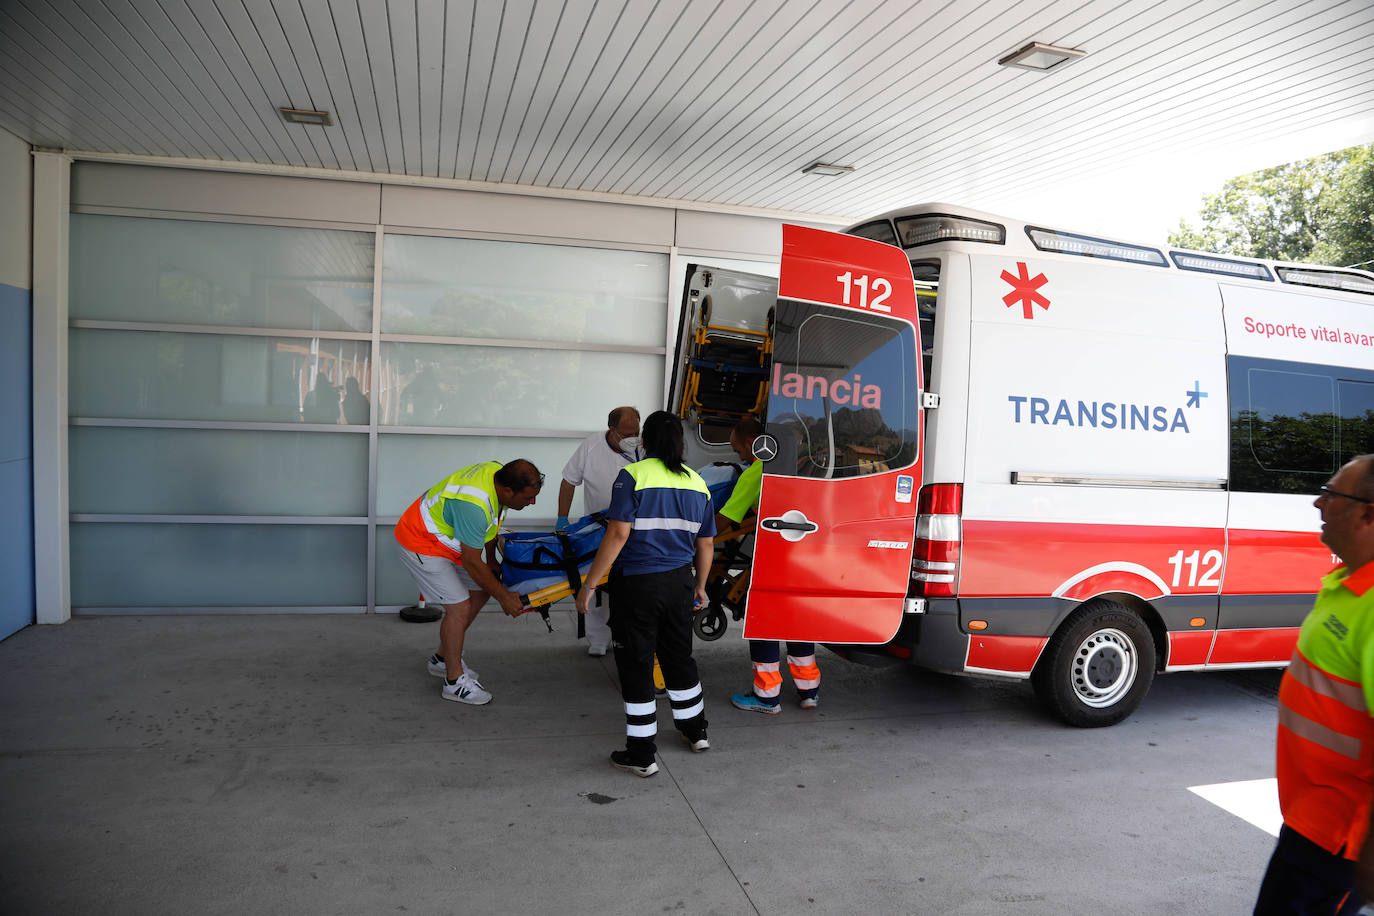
(1190, 648)
(1006, 654)
(1238, 647)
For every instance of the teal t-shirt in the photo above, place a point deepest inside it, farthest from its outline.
(468, 520)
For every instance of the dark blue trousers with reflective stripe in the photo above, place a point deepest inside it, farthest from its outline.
(651, 614)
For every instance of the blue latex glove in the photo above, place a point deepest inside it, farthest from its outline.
(561, 523)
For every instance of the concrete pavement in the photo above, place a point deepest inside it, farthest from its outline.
(305, 764)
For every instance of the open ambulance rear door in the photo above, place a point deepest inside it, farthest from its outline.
(842, 445)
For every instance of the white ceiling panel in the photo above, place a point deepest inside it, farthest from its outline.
(715, 103)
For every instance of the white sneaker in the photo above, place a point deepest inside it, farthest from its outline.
(439, 668)
(465, 690)
(597, 649)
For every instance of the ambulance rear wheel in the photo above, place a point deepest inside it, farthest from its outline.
(1097, 666)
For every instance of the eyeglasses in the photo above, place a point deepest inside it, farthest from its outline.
(541, 481)
(1327, 491)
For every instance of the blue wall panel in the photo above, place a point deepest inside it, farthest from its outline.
(16, 459)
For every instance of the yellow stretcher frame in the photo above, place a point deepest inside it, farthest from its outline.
(692, 379)
(549, 594)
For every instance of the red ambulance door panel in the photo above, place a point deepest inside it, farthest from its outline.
(841, 450)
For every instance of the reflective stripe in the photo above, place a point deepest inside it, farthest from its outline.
(476, 493)
(1319, 734)
(806, 674)
(654, 473)
(687, 703)
(689, 712)
(767, 679)
(641, 720)
(1318, 681)
(665, 524)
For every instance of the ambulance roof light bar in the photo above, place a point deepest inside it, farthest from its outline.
(944, 227)
(1214, 265)
(1325, 277)
(1088, 247)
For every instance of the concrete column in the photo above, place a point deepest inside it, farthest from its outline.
(52, 566)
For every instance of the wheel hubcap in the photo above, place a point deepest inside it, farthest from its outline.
(1104, 668)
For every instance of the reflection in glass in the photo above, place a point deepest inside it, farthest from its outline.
(229, 274)
(216, 472)
(172, 376)
(843, 396)
(520, 291)
(511, 387)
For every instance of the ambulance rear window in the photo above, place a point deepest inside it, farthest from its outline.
(843, 398)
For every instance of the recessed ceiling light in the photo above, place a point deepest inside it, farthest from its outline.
(306, 116)
(825, 168)
(1039, 56)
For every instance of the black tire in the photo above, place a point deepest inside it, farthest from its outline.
(1097, 667)
(709, 623)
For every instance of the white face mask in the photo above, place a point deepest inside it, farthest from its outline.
(630, 444)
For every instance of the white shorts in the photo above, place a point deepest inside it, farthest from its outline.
(440, 580)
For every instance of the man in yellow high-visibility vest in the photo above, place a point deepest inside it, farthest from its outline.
(440, 539)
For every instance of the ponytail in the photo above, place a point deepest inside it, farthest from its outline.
(663, 440)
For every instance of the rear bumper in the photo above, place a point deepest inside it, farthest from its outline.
(934, 639)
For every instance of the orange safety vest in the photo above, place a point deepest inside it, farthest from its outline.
(1325, 760)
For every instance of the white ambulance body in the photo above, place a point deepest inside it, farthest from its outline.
(1121, 447)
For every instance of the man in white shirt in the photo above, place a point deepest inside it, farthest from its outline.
(594, 467)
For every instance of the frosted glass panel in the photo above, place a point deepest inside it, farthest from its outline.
(409, 465)
(218, 565)
(512, 388)
(217, 472)
(171, 376)
(394, 585)
(516, 290)
(133, 269)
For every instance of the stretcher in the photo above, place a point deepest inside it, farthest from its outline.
(542, 568)
(540, 599)
(726, 371)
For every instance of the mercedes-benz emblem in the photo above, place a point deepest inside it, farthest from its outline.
(765, 448)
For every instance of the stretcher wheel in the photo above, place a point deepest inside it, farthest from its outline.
(709, 623)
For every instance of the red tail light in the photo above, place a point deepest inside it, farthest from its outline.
(935, 564)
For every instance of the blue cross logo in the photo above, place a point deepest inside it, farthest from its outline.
(1196, 395)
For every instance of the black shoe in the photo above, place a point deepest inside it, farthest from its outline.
(625, 760)
(697, 744)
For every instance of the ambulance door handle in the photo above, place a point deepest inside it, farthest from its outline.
(793, 525)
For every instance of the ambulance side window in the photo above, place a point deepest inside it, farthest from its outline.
(1356, 400)
(843, 399)
(1294, 424)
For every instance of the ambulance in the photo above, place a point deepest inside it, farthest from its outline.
(1003, 449)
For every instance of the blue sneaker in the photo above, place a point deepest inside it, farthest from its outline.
(750, 703)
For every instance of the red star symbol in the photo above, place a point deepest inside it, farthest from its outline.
(1026, 288)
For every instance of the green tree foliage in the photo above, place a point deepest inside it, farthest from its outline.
(1318, 210)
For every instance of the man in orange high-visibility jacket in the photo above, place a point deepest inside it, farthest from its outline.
(440, 540)
(1324, 861)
